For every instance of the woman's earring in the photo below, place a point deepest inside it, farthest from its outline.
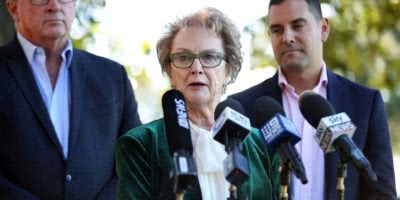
(224, 85)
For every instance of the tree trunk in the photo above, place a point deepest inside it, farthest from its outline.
(7, 30)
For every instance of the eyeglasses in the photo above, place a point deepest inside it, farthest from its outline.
(186, 59)
(45, 2)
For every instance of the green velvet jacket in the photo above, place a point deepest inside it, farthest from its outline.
(143, 166)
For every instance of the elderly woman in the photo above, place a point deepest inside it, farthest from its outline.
(201, 55)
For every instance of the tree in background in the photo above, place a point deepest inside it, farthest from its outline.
(363, 45)
(6, 24)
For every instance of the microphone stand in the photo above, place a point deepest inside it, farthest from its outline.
(341, 175)
(179, 196)
(232, 192)
(289, 157)
(184, 172)
(284, 180)
(235, 166)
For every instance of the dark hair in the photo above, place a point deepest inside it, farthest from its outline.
(213, 20)
(313, 5)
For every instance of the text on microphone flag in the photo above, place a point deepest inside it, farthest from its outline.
(182, 114)
(272, 131)
(233, 116)
(332, 127)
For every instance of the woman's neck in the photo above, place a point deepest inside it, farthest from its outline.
(201, 115)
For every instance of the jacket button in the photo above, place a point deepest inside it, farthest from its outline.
(68, 177)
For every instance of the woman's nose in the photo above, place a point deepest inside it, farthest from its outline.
(197, 67)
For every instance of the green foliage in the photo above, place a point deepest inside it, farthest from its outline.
(260, 56)
(6, 25)
(364, 45)
(87, 22)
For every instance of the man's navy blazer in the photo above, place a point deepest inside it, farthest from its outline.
(366, 109)
(32, 164)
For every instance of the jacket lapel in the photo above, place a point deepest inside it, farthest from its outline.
(77, 74)
(335, 97)
(272, 88)
(20, 69)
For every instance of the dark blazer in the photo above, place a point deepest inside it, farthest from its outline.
(366, 109)
(32, 165)
(144, 163)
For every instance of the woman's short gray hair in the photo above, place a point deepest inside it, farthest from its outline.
(214, 20)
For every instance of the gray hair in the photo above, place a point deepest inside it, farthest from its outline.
(214, 20)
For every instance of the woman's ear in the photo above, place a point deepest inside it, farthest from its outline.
(167, 71)
(227, 80)
(229, 71)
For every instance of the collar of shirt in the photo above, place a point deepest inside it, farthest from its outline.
(57, 99)
(284, 85)
(31, 50)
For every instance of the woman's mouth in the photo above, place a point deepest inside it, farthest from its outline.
(197, 84)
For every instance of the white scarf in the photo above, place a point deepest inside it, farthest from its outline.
(209, 156)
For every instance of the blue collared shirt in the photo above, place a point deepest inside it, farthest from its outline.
(57, 101)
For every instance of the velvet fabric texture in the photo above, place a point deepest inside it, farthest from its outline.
(144, 165)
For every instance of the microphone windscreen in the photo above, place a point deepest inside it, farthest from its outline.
(235, 105)
(314, 107)
(176, 120)
(264, 109)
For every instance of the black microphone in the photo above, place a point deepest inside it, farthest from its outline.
(231, 128)
(333, 131)
(279, 133)
(177, 132)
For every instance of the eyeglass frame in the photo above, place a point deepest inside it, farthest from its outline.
(195, 56)
(45, 2)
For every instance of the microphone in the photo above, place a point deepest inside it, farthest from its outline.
(231, 128)
(179, 142)
(230, 121)
(279, 133)
(333, 131)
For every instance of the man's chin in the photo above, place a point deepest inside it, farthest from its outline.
(296, 66)
(55, 34)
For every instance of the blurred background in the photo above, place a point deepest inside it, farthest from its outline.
(364, 45)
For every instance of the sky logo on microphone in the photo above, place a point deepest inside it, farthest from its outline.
(336, 119)
(332, 127)
(181, 113)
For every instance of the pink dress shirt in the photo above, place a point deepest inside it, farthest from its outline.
(309, 150)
